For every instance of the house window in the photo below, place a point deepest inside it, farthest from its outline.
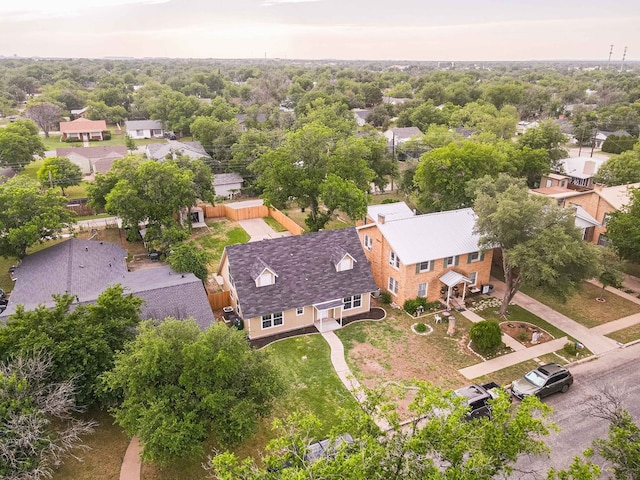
(473, 276)
(394, 261)
(368, 242)
(272, 320)
(393, 286)
(450, 261)
(475, 257)
(139, 133)
(605, 220)
(299, 311)
(424, 266)
(603, 240)
(422, 289)
(345, 264)
(352, 302)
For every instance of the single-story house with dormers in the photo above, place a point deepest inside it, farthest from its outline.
(289, 283)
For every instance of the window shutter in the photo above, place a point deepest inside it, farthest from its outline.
(482, 256)
(469, 259)
(417, 268)
(444, 263)
(431, 265)
(456, 260)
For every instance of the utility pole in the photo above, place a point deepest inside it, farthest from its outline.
(593, 141)
(610, 52)
(624, 55)
(50, 179)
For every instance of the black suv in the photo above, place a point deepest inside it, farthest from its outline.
(478, 397)
(543, 381)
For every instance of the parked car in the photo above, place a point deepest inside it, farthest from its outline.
(542, 381)
(478, 397)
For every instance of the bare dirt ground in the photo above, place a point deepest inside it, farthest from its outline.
(523, 333)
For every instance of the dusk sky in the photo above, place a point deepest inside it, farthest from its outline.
(321, 29)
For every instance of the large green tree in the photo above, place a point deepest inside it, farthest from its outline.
(188, 257)
(80, 339)
(539, 242)
(300, 168)
(620, 169)
(29, 216)
(19, 142)
(442, 173)
(439, 443)
(547, 135)
(179, 384)
(59, 172)
(37, 423)
(623, 228)
(139, 191)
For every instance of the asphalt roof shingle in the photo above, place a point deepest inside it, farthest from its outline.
(305, 268)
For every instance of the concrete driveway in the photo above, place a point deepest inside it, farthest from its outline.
(258, 229)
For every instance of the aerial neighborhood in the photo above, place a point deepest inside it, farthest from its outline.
(392, 264)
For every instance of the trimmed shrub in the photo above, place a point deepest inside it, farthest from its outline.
(389, 200)
(618, 144)
(570, 348)
(410, 306)
(486, 336)
(385, 298)
(421, 328)
(106, 135)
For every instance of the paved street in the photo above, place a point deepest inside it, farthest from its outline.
(617, 371)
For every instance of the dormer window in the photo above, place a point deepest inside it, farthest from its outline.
(263, 275)
(346, 263)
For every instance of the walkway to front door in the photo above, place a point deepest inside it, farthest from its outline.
(327, 325)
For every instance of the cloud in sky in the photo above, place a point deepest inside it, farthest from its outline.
(353, 29)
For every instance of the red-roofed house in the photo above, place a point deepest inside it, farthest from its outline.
(82, 129)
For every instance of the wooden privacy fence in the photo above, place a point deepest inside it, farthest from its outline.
(246, 213)
(218, 300)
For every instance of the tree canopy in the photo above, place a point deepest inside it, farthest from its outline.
(439, 443)
(139, 191)
(179, 384)
(540, 244)
(19, 142)
(623, 228)
(301, 167)
(46, 115)
(59, 172)
(620, 169)
(80, 339)
(28, 216)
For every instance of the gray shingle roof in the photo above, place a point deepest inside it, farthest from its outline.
(143, 125)
(159, 151)
(86, 267)
(94, 153)
(306, 272)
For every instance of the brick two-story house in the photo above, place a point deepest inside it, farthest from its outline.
(434, 256)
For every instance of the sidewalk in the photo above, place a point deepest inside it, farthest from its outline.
(131, 464)
(594, 341)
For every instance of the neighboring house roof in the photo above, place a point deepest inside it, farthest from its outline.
(402, 133)
(86, 267)
(617, 196)
(557, 192)
(260, 118)
(159, 151)
(450, 233)
(6, 173)
(93, 153)
(390, 211)
(617, 133)
(583, 219)
(143, 125)
(220, 179)
(305, 269)
(79, 111)
(581, 167)
(83, 125)
(361, 113)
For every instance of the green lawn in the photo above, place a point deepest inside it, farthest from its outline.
(519, 314)
(273, 223)
(507, 375)
(53, 142)
(626, 335)
(341, 221)
(221, 233)
(583, 307)
(631, 269)
(6, 283)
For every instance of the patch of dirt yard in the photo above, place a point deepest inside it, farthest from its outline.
(387, 354)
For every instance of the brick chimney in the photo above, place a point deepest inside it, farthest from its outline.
(589, 167)
(381, 218)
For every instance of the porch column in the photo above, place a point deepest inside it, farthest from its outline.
(464, 291)
(448, 296)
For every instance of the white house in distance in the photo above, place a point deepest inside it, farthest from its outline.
(138, 129)
(398, 135)
(581, 170)
(160, 151)
(227, 184)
